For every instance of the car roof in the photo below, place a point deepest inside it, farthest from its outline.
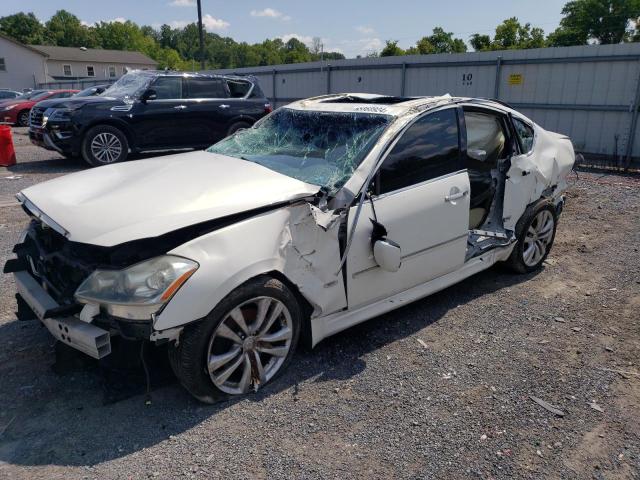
(387, 104)
(177, 73)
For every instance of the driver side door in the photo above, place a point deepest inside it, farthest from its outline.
(421, 197)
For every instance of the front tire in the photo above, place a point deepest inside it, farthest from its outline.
(23, 118)
(536, 231)
(246, 341)
(236, 127)
(103, 145)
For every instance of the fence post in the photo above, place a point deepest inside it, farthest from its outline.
(496, 90)
(328, 78)
(404, 79)
(634, 122)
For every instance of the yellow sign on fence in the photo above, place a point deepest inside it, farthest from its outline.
(516, 79)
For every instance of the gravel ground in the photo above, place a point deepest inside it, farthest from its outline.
(440, 388)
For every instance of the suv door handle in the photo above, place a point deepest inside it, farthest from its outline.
(224, 105)
(180, 107)
(455, 196)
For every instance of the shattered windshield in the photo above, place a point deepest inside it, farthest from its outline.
(129, 86)
(321, 148)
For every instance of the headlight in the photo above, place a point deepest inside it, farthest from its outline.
(57, 115)
(9, 107)
(138, 291)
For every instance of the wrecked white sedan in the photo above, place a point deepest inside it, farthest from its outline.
(326, 213)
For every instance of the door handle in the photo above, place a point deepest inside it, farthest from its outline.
(455, 196)
(180, 107)
(224, 106)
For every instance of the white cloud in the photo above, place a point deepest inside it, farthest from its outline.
(178, 23)
(183, 3)
(117, 20)
(307, 40)
(213, 24)
(363, 29)
(270, 13)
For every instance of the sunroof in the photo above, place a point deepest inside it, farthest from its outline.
(384, 100)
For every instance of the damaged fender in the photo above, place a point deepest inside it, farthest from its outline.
(543, 171)
(299, 241)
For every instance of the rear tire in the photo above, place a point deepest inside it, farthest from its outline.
(237, 127)
(535, 231)
(211, 347)
(23, 118)
(103, 145)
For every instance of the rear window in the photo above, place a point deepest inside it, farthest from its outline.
(206, 88)
(238, 88)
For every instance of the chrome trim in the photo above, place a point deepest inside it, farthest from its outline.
(413, 255)
(410, 187)
(39, 214)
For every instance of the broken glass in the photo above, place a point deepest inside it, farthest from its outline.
(321, 148)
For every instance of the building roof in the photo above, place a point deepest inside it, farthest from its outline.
(28, 47)
(73, 54)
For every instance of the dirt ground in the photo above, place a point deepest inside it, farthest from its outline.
(437, 389)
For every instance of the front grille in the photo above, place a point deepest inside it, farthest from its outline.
(37, 114)
(52, 262)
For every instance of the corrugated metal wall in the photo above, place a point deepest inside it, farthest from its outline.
(590, 93)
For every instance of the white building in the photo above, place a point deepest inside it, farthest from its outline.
(28, 66)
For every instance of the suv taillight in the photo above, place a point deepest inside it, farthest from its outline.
(268, 108)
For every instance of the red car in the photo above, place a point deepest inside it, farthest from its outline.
(16, 111)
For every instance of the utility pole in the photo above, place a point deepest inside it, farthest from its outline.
(201, 35)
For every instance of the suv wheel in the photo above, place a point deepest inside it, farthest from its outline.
(536, 231)
(104, 144)
(236, 127)
(243, 344)
(23, 118)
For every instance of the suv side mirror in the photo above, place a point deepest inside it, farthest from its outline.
(480, 155)
(149, 94)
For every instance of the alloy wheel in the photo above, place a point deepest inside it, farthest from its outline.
(106, 147)
(249, 345)
(538, 238)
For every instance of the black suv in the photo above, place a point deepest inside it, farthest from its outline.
(148, 110)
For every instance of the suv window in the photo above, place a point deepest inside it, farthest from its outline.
(428, 149)
(206, 88)
(485, 133)
(168, 88)
(525, 135)
(238, 88)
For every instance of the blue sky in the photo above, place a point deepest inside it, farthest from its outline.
(350, 26)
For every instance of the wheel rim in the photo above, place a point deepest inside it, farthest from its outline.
(538, 238)
(23, 119)
(106, 147)
(250, 345)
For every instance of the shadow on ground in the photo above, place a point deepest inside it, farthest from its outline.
(88, 413)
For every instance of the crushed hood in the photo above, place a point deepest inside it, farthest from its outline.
(119, 203)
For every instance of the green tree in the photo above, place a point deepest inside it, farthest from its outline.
(604, 21)
(391, 49)
(480, 42)
(441, 42)
(24, 27)
(510, 35)
(65, 30)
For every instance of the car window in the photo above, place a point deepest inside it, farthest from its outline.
(167, 88)
(525, 135)
(485, 133)
(238, 88)
(428, 149)
(206, 88)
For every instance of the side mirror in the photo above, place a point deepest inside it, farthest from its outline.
(479, 155)
(149, 94)
(387, 255)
